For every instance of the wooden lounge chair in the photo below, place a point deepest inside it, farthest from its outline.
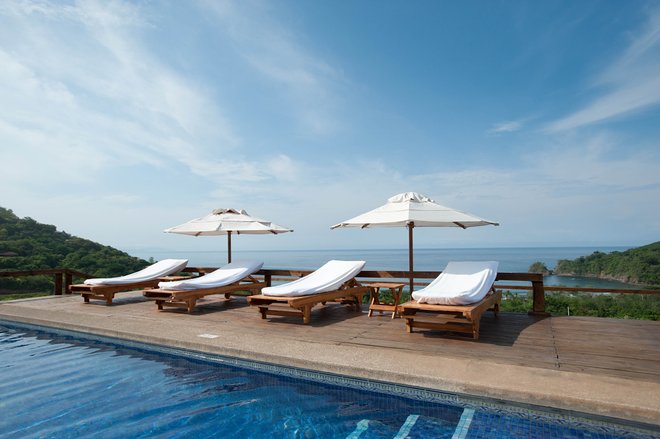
(229, 280)
(460, 295)
(106, 288)
(333, 282)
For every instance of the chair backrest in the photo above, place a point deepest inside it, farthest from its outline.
(225, 275)
(329, 277)
(460, 283)
(152, 272)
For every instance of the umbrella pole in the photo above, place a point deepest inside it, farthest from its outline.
(229, 247)
(411, 225)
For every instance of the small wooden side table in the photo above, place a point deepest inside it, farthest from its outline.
(376, 305)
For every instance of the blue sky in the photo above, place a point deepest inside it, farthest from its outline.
(120, 119)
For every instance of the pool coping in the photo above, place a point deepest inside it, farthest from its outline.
(624, 400)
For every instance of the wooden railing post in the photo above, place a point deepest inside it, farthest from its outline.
(68, 280)
(268, 278)
(58, 284)
(538, 299)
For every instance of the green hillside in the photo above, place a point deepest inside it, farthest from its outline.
(639, 265)
(26, 244)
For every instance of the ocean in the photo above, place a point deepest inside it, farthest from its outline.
(517, 259)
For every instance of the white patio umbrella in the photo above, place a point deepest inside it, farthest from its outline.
(411, 210)
(227, 222)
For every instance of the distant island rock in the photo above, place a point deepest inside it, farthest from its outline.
(639, 266)
(539, 267)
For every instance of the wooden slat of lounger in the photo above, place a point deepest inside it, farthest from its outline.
(187, 298)
(303, 304)
(437, 308)
(470, 313)
(107, 292)
(100, 289)
(297, 301)
(196, 294)
(284, 312)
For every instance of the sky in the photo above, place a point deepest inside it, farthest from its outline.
(119, 119)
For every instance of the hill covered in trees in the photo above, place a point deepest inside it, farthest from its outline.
(639, 265)
(26, 244)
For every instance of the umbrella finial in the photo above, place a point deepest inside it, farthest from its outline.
(224, 210)
(410, 196)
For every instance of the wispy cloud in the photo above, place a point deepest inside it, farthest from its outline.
(630, 84)
(79, 85)
(505, 127)
(277, 53)
(80, 82)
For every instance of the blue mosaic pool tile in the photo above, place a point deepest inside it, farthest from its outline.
(484, 426)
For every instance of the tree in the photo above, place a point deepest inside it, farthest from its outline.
(31, 245)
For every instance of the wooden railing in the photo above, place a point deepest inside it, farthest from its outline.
(63, 278)
(535, 280)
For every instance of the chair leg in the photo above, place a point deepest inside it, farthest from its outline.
(358, 303)
(264, 311)
(307, 314)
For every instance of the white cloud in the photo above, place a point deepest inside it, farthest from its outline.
(597, 164)
(505, 127)
(630, 84)
(283, 167)
(80, 88)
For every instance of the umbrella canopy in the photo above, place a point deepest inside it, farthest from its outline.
(411, 210)
(227, 222)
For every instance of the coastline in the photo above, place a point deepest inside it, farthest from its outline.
(511, 259)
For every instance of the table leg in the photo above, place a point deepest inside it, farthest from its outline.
(396, 295)
(374, 299)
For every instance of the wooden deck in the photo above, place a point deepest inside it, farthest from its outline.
(613, 347)
(617, 351)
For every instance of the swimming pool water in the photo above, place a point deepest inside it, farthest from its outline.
(55, 385)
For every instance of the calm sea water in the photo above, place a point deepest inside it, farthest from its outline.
(510, 259)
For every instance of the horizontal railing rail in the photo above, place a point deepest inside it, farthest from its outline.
(561, 289)
(63, 278)
(43, 272)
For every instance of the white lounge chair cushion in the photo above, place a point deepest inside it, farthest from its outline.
(152, 272)
(461, 283)
(226, 275)
(329, 277)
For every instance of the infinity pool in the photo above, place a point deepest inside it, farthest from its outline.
(53, 384)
